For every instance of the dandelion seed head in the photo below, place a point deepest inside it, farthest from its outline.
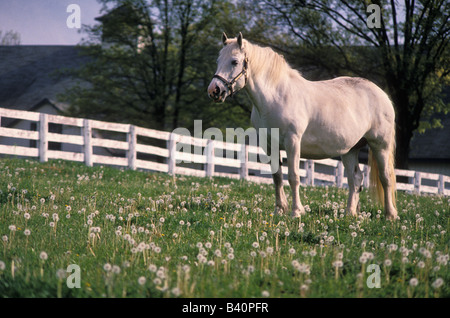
(142, 280)
(43, 256)
(413, 282)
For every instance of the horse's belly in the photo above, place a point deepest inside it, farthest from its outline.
(316, 146)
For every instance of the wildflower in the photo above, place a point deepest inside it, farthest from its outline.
(107, 267)
(255, 244)
(115, 269)
(5, 238)
(437, 283)
(392, 247)
(142, 280)
(265, 293)
(353, 234)
(12, 228)
(363, 259)
(2, 265)
(43, 256)
(61, 273)
(413, 282)
(176, 291)
(26, 216)
(291, 251)
(387, 262)
(338, 263)
(27, 232)
(160, 273)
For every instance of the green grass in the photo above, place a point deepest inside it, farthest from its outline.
(138, 234)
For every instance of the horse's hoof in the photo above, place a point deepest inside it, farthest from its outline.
(279, 210)
(392, 217)
(298, 213)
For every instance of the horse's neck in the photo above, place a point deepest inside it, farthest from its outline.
(265, 95)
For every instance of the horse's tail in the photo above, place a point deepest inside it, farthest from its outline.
(376, 188)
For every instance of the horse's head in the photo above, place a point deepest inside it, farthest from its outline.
(231, 74)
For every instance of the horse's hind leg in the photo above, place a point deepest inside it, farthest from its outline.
(281, 205)
(354, 177)
(387, 178)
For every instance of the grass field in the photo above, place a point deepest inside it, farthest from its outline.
(138, 234)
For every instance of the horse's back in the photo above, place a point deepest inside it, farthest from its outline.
(341, 111)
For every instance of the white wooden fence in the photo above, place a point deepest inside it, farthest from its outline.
(164, 158)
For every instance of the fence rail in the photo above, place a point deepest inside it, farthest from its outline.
(104, 147)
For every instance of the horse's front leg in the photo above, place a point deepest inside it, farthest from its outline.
(292, 145)
(281, 205)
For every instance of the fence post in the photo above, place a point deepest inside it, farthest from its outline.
(309, 172)
(417, 182)
(210, 158)
(172, 153)
(43, 143)
(131, 153)
(87, 134)
(243, 156)
(441, 185)
(340, 174)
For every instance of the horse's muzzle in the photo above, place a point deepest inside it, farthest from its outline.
(216, 94)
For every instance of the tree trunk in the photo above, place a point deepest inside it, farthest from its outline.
(404, 130)
(403, 139)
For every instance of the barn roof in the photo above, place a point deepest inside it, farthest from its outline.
(29, 74)
(433, 143)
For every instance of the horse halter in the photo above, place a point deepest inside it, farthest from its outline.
(229, 84)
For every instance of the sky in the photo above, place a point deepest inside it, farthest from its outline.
(44, 22)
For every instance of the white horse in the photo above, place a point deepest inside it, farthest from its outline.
(316, 120)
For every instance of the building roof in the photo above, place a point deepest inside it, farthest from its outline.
(29, 74)
(433, 143)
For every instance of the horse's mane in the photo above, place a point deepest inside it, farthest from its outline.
(264, 61)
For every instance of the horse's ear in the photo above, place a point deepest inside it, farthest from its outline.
(224, 38)
(239, 40)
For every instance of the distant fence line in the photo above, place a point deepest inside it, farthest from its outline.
(162, 156)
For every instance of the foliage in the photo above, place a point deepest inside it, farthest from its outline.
(9, 38)
(151, 64)
(140, 234)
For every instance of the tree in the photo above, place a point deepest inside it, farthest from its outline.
(9, 38)
(151, 62)
(404, 47)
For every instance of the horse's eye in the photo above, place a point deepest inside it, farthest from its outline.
(234, 62)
